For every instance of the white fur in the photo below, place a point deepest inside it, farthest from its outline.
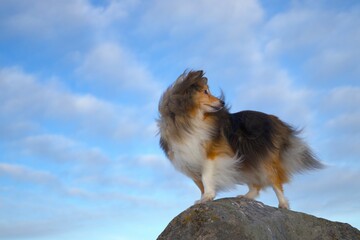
(226, 172)
(190, 153)
(259, 177)
(252, 193)
(189, 157)
(208, 179)
(283, 202)
(293, 158)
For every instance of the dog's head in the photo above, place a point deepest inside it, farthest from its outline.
(190, 94)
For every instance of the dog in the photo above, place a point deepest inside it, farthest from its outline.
(218, 149)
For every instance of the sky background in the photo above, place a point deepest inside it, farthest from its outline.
(80, 82)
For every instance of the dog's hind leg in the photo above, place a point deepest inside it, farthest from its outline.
(253, 191)
(278, 177)
(283, 202)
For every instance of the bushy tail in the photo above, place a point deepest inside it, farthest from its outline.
(298, 157)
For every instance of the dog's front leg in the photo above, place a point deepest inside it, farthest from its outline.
(207, 177)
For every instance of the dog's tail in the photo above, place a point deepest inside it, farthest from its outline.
(298, 157)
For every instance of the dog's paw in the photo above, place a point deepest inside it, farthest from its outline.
(206, 197)
(245, 196)
(284, 205)
(241, 196)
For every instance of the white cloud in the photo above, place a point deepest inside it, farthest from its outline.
(181, 17)
(346, 123)
(111, 66)
(16, 129)
(342, 124)
(23, 173)
(336, 63)
(290, 30)
(33, 229)
(326, 37)
(42, 216)
(196, 34)
(24, 94)
(26, 99)
(345, 98)
(341, 104)
(153, 161)
(323, 193)
(342, 150)
(273, 91)
(46, 179)
(54, 19)
(62, 149)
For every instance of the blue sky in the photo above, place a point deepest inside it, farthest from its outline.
(80, 82)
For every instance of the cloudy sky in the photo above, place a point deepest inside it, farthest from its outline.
(80, 82)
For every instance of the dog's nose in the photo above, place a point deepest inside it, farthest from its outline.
(222, 102)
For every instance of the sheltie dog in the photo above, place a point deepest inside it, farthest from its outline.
(218, 149)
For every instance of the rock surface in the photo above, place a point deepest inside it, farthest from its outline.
(240, 218)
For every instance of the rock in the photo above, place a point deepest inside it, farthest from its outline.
(240, 218)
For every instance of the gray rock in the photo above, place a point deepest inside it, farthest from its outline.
(240, 218)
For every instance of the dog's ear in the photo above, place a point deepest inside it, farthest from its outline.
(196, 74)
(205, 80)
(196, 79)
(199, 78)
(190, 80)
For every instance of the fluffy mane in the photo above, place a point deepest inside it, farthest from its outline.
(177, 100)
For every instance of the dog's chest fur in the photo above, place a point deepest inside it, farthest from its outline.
(189, 152)
(189, 155)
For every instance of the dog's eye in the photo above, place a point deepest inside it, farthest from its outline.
(206, 92)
